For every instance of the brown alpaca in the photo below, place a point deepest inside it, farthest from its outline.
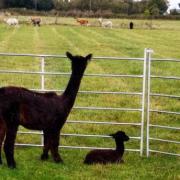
(36, 21)
(82, 21)
(38, 111)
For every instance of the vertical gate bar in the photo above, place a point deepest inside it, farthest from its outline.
(149, 52)
(42, 75)
(143, 103)
(42, 87)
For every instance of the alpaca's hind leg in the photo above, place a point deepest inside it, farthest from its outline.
(9, 146)
(46, 148)
(54, 147)
(2, 134)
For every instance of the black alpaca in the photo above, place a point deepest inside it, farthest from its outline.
(131, 25)
(109, 156)
(38, 111)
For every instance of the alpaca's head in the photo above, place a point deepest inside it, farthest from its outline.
(120, 136)
(79, 63)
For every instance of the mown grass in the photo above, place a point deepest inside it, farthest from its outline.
(57, 39)
(135, 167)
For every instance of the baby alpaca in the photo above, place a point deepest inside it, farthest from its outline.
(109, 156)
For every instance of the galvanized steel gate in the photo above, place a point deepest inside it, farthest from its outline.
(149, 125)
(145, 110)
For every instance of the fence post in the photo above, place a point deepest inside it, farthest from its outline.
(148, 53)
(42, 87)
(143, 104)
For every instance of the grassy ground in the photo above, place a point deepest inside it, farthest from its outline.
(135, 167)
(57, 39)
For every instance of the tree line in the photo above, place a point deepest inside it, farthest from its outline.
(126, 7)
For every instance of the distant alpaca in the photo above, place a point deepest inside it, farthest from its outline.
(36, 21)
(12, 21)
(82, 21)
(104, 23)
(109, 156)
(38, 111)
(131, 25)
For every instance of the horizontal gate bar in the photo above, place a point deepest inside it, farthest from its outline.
(31, 132)
(110, 92)
(166, 77)
(163, 152)
(77, 135)
(63, 56)
(170, 59)
(92, 135)
(33, 55)
(117, 58)
(99, 122)
(91, 92)
(81, 147)
(98, 58)
(166, 112)
(72, 147)
(165, 127)
(107, 108)
(164, 95)
(30, 145)
(165, 140)
(68, 74)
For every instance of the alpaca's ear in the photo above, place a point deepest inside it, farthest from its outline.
(89, 56)
(69, 55)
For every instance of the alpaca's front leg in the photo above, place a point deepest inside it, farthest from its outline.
(9, 146)
(54, 147)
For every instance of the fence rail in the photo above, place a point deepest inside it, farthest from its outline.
(145, 95)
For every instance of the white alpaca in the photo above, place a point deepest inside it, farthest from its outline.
(104, 23)
(12, 21)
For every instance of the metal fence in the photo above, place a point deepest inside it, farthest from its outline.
(144, 95)
(150, 111)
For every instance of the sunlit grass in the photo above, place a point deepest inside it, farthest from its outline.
(57, 39)
(135, 167)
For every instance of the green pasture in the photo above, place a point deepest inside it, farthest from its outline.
(164, 39)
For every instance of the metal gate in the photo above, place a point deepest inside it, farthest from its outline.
(143, 124)
(150, 111)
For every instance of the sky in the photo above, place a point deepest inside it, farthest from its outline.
(174, 4)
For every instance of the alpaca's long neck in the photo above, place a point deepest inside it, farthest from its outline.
(120, 147)
(72, 88)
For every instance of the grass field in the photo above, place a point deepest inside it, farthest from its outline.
(57, 39)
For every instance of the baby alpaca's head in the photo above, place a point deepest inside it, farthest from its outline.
(120, 136)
